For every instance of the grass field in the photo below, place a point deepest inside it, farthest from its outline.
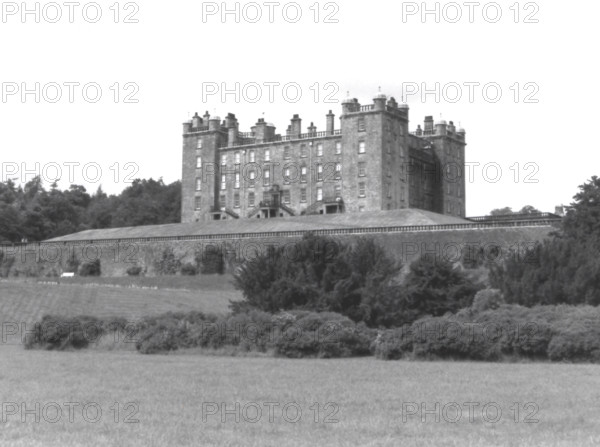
(23, 301)
(179, 399)
(173, 398)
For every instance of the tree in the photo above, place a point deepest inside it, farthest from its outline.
(434, 286)
(501, 211)
(563, 269)
(321, 274)
(528, 209)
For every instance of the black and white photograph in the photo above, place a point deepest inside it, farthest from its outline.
(299, 223)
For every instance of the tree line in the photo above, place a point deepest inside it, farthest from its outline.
(33, 213)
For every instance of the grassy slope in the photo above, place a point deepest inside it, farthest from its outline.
(170, 391)
(28, 301)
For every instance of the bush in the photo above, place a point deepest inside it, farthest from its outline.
(189, 269)
(323, 335)
(393, 344)
(168, 264)
(90, 268)
(210, 262)
(487, 299)
(60, 333)
(134, 270)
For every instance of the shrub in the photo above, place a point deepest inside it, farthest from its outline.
(134, 270)
(168, 264)
(323, 335)
(487, 299)
(60, 333)
(393, 344)
(210, 262)
(189, 269)
(90, 268)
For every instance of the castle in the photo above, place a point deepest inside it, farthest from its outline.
(371, 163)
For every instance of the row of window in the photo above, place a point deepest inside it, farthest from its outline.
(287, 154)
(286, 197)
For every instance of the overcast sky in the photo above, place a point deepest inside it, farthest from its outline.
(163, 60)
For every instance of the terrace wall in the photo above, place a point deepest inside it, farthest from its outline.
(453, 242)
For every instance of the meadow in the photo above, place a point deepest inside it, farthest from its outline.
(199, 398)
(189, 399)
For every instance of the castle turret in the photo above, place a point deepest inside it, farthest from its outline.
(379, 102)
(214, 123)
(441, 127)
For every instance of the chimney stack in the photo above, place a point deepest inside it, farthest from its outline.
(330, 123)
(296, 126)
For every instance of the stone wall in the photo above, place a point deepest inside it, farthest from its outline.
(49, 259)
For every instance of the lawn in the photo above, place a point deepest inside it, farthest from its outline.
(178, 400)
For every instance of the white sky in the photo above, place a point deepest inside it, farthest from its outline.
(171, 52)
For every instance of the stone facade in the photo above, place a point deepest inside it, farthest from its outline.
(371, 163)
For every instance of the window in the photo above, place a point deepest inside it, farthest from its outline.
(319, 173)
(223, 159)
(388, 187)
(362, 148)
(286, 175)
(252, 176)
(361, 190)
(252, 156)
(267, 178)
(449, 188)
(267, 155)
(361, 209)
(402, 195)
(286, 153)
(199, 144)
(319, 150)
(338, 147)
(236, 200)
(237, 180)
(222, 201)
(389, 172)
(401, 130)
(401, 151)
(199, 184)
(197, 202)
(286, 196)
(388, 147)
(338, 191)
(447, 150)
(361, 125)
(303, 195)
(303, 151)
(319, 194)
(223, 182)
(362, 168)
(237, 158)
(198, 162)
(251, 199)
(303, 171)
(338, 170)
